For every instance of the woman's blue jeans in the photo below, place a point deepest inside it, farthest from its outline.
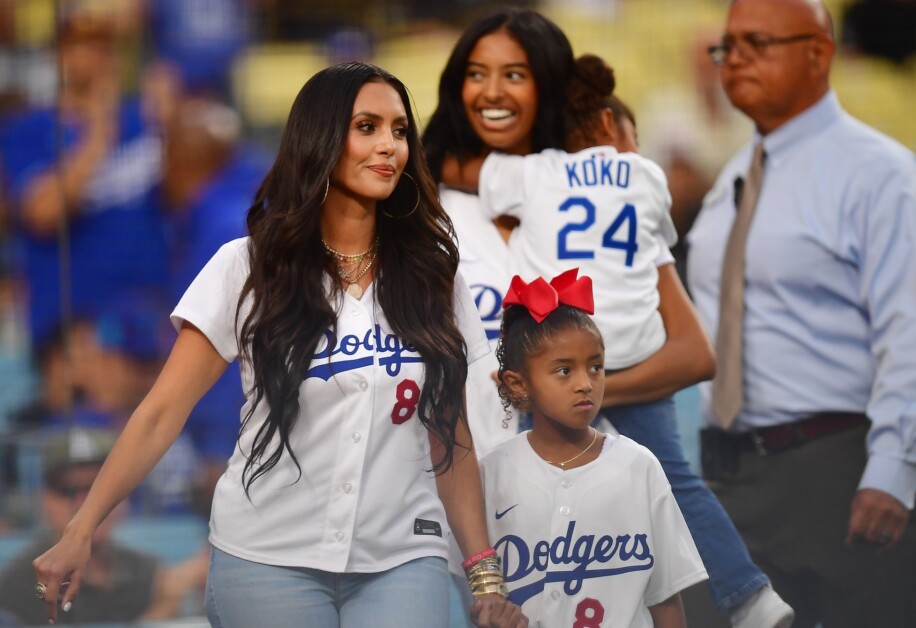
(241, 593)
(733, 576)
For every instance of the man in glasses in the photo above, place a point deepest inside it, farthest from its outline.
(801, 263)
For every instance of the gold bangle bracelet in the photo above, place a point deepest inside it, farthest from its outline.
(499, 589)
(483, 572)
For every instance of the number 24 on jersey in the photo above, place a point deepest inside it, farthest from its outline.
(626, 217)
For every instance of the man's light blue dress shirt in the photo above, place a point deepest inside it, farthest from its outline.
(830, 298)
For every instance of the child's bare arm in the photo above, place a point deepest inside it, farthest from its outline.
(669, 614)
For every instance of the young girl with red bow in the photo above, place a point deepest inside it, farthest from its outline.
(584, 523)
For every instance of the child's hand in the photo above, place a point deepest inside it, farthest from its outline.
(495, 611)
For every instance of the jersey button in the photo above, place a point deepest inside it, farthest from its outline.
(555, 595)
(564, 510)
(354, 312)
(347, 487)
(363, 385)
(565, 483)
(356, 437)
(339, 536)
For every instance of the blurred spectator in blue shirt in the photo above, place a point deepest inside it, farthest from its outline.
(96, 161)
(200, 39)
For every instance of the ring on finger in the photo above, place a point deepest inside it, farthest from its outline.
(40, 590)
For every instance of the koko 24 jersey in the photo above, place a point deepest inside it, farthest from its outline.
(364, 500)
(607, 213)
(590, 547)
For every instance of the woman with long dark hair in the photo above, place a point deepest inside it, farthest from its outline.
(354, 334)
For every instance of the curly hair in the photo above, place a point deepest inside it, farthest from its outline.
(290, 310)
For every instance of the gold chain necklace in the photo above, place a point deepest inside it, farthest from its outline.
(348, 259)
(353, 284)
(347, 276)
(581, 453)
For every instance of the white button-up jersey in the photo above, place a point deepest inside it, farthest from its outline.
(365, 500)
(591, 546)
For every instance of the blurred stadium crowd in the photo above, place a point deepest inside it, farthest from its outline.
(133, 134)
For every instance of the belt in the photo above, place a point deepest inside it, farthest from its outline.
(767, 440)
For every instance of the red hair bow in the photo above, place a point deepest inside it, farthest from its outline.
(541, 298)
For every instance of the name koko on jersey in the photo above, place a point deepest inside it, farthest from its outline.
(390, 349)
(597, 170)
(626, 553)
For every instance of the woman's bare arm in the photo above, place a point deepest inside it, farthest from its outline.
(686, 358)
(461, 494)
(191, 369)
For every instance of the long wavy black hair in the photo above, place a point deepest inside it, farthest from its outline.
(551, 60)
(290, 307)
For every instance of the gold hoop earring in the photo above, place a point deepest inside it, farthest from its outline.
(327, 186)
(415, 205)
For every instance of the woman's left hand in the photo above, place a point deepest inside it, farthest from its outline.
(495, 611)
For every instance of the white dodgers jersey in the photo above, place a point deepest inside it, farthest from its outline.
(607, 213)
(487, 267)
(590, 547)
(363, 498)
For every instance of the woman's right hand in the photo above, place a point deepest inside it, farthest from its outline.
(495, 611)
(60, 569)
(191, 369)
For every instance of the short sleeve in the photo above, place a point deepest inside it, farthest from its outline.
(210, 302)
(677, 562)
(665, 256)
(656, 186)
(502, 186)
(468, 320)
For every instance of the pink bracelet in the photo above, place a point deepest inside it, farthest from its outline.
(470, 561)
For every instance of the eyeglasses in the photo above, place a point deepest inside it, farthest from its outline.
(751, 45)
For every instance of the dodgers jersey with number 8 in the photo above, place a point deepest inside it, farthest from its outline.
(589, 547)
(607, 213)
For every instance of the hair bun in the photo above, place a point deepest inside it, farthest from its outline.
(598, 75)
(591, 84)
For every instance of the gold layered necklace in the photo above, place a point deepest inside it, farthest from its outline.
(352, 268)
(563, 464)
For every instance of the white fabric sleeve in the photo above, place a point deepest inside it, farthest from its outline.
(210, 302)
(657, 182)
(502, 186)
(468, 320)
(665, 256)
(677, 562)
